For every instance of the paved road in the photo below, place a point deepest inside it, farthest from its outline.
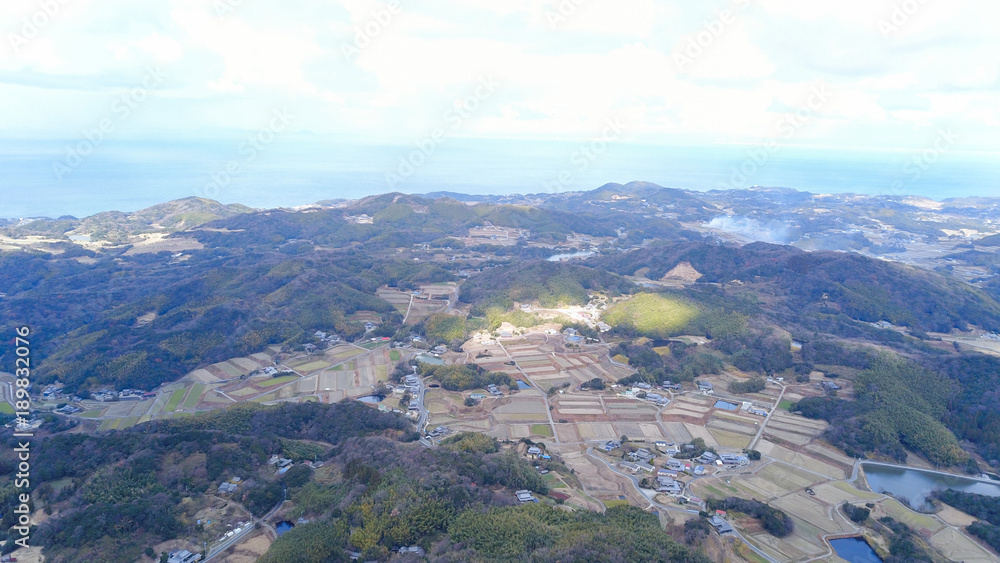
(760, 432)
(221, 547)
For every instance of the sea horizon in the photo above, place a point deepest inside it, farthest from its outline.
(44, 179)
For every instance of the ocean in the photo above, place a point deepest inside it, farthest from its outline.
(49, 178)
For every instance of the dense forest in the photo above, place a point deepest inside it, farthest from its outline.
(824, 283)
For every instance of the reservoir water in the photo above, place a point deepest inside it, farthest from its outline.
(915, 485)
(372, 399)
(283, 526)
(570, 255)
(522, 385)
(855, 550)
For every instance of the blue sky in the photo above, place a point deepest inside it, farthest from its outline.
(915, 80)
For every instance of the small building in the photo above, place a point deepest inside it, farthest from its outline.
(183, 556)
(699, 470)
(645, 467)
(611, 445)
(708, 457)
(720, 525)
(414, 549)
(829, 386)
(534, 451)
(628, 465)
(705, 387)
(227, 488)
(525, 496)
(734, 460)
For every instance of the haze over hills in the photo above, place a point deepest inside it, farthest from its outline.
(193, 342)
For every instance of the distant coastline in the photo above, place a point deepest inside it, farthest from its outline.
(128, 176)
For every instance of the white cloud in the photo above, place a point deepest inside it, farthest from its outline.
(601, 58)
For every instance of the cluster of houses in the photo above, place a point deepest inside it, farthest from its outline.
(107, 395)
(439, 432)
(282, 464)
(641, 461)
(525, 496)
(326, 337)
(230, 486)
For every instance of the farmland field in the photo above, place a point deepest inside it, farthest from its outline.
(276, 381)
(175, 400)
(192, 400)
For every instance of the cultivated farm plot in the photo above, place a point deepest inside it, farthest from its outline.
(678, 432)
(521, 410)
(596, 431)
(312, 367)
(733, 440)
(801, 460)
(341, 353)
(958, 547)
(398, 299)
(202, 375)
(230, 369)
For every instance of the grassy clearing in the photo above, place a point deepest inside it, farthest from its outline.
(615, 502)
(92, 414)
(276, 381)
(175, 400)
(6, 408)
(541, 430)
(373, 345)
(192, 399)
(394, 355)
(652, 314)
(785, 404)
(313, 366)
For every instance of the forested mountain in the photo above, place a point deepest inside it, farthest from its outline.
(663, 284)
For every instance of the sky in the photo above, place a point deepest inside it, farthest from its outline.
(901, 75)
